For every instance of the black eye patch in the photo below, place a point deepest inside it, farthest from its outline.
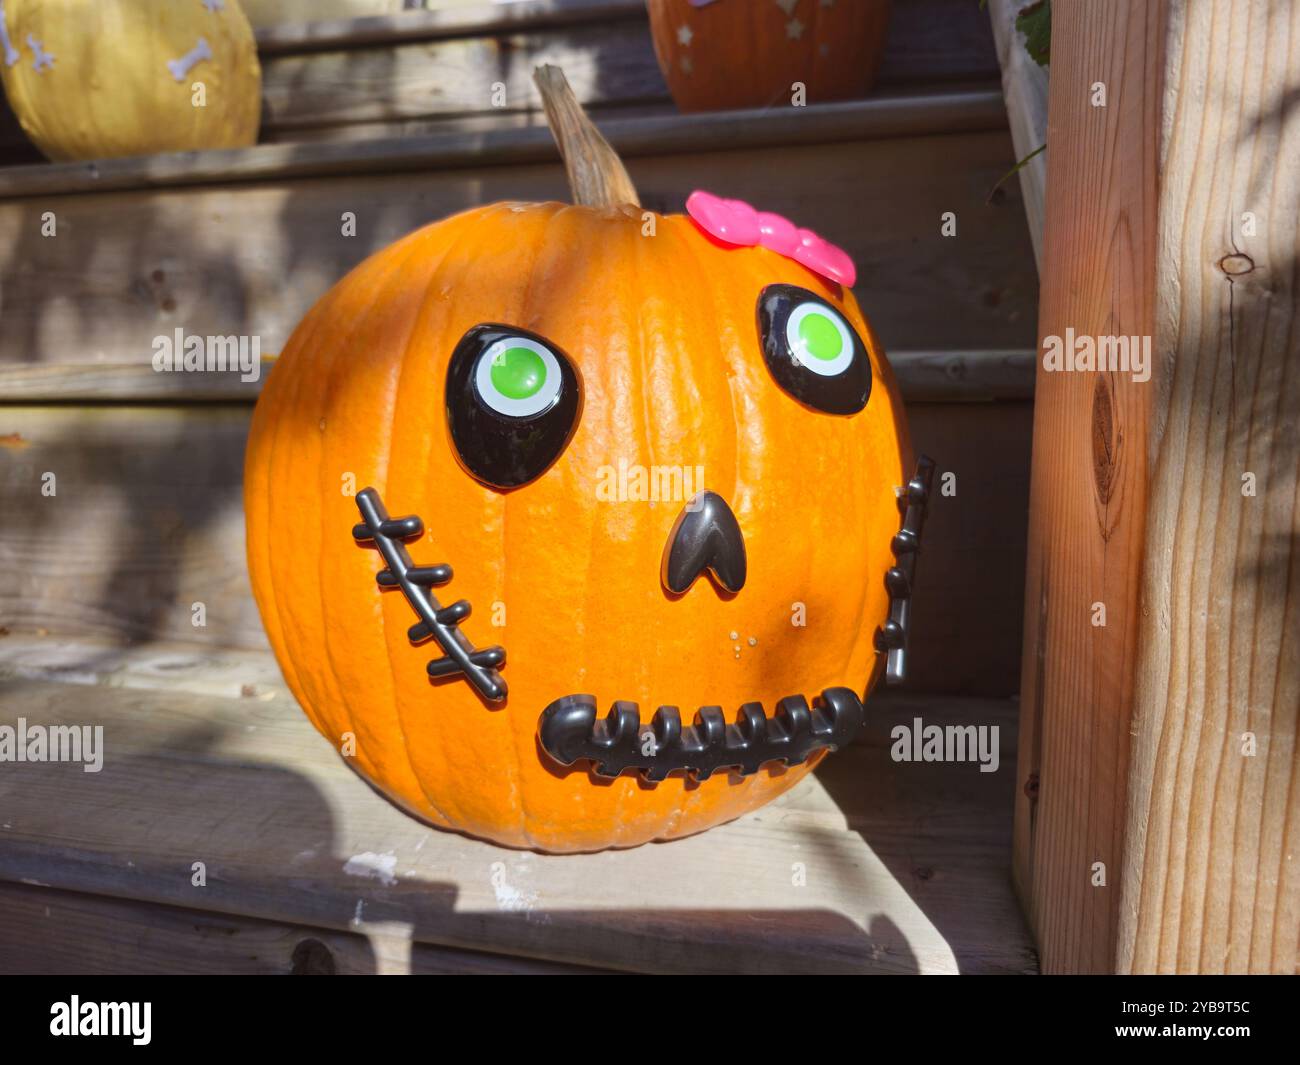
(513, 400)
(812, 351)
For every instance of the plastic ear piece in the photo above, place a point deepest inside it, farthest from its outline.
(891, 639)
(441, 623)
(569, 731)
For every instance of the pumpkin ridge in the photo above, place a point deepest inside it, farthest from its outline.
(628, 788)
(521, 722)
(692, 797)
(515, 777)
(290, 377)
(522, 728)
(300, 374)
(562, 226)
(313, 374)
(687, 793)
(733, 318)
(415, 245)
(404, 363)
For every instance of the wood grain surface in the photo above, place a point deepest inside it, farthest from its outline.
(870, 866)
(343, 68)
(45, 932)
(1089, 485)
(250, 259)
(1211, 876)
(1151, 836)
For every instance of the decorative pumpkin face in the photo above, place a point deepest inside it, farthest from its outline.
(660, 467)
(722, 54)
(92, 79)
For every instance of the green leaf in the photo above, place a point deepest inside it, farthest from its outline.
(1035, 22)
(1014, 170)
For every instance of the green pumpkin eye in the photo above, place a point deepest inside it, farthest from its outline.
(513, 400)
(819, 339)
(811, 350)
(517, 377)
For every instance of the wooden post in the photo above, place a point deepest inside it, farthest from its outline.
(1158, 817)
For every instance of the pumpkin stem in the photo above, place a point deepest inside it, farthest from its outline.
(596, 173)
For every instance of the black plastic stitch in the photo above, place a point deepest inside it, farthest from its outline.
(569, 730)
(891, 639)
(436, 621)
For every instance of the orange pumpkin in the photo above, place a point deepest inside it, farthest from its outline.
(723, 54)
(564, 567)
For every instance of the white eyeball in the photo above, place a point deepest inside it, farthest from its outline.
(517, 377)
(819, 339)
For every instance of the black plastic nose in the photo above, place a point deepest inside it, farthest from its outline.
(706, 535)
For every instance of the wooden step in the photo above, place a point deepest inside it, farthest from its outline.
(48, 932)
(244, 242)
(402, 72)
(905, 863)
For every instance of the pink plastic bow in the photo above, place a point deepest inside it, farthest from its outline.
(735, 222)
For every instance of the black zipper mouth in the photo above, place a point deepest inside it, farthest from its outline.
(569, 731)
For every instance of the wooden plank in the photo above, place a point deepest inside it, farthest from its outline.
(185, 668)
(606, 63)
(440, 125)
(121, 382)
(1088, 488)
(968, 603)
(127, 268)
(1211, 882)
(1135, 736)
(477, 59)
(917, 114)
(955, 376)
(148, 521)
(275, 12)
(937, 41)
(1024, 87)
(926, 376)
(928, 40)
(193, 779)
(403, 73)
(44, 932)
(369, 23)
